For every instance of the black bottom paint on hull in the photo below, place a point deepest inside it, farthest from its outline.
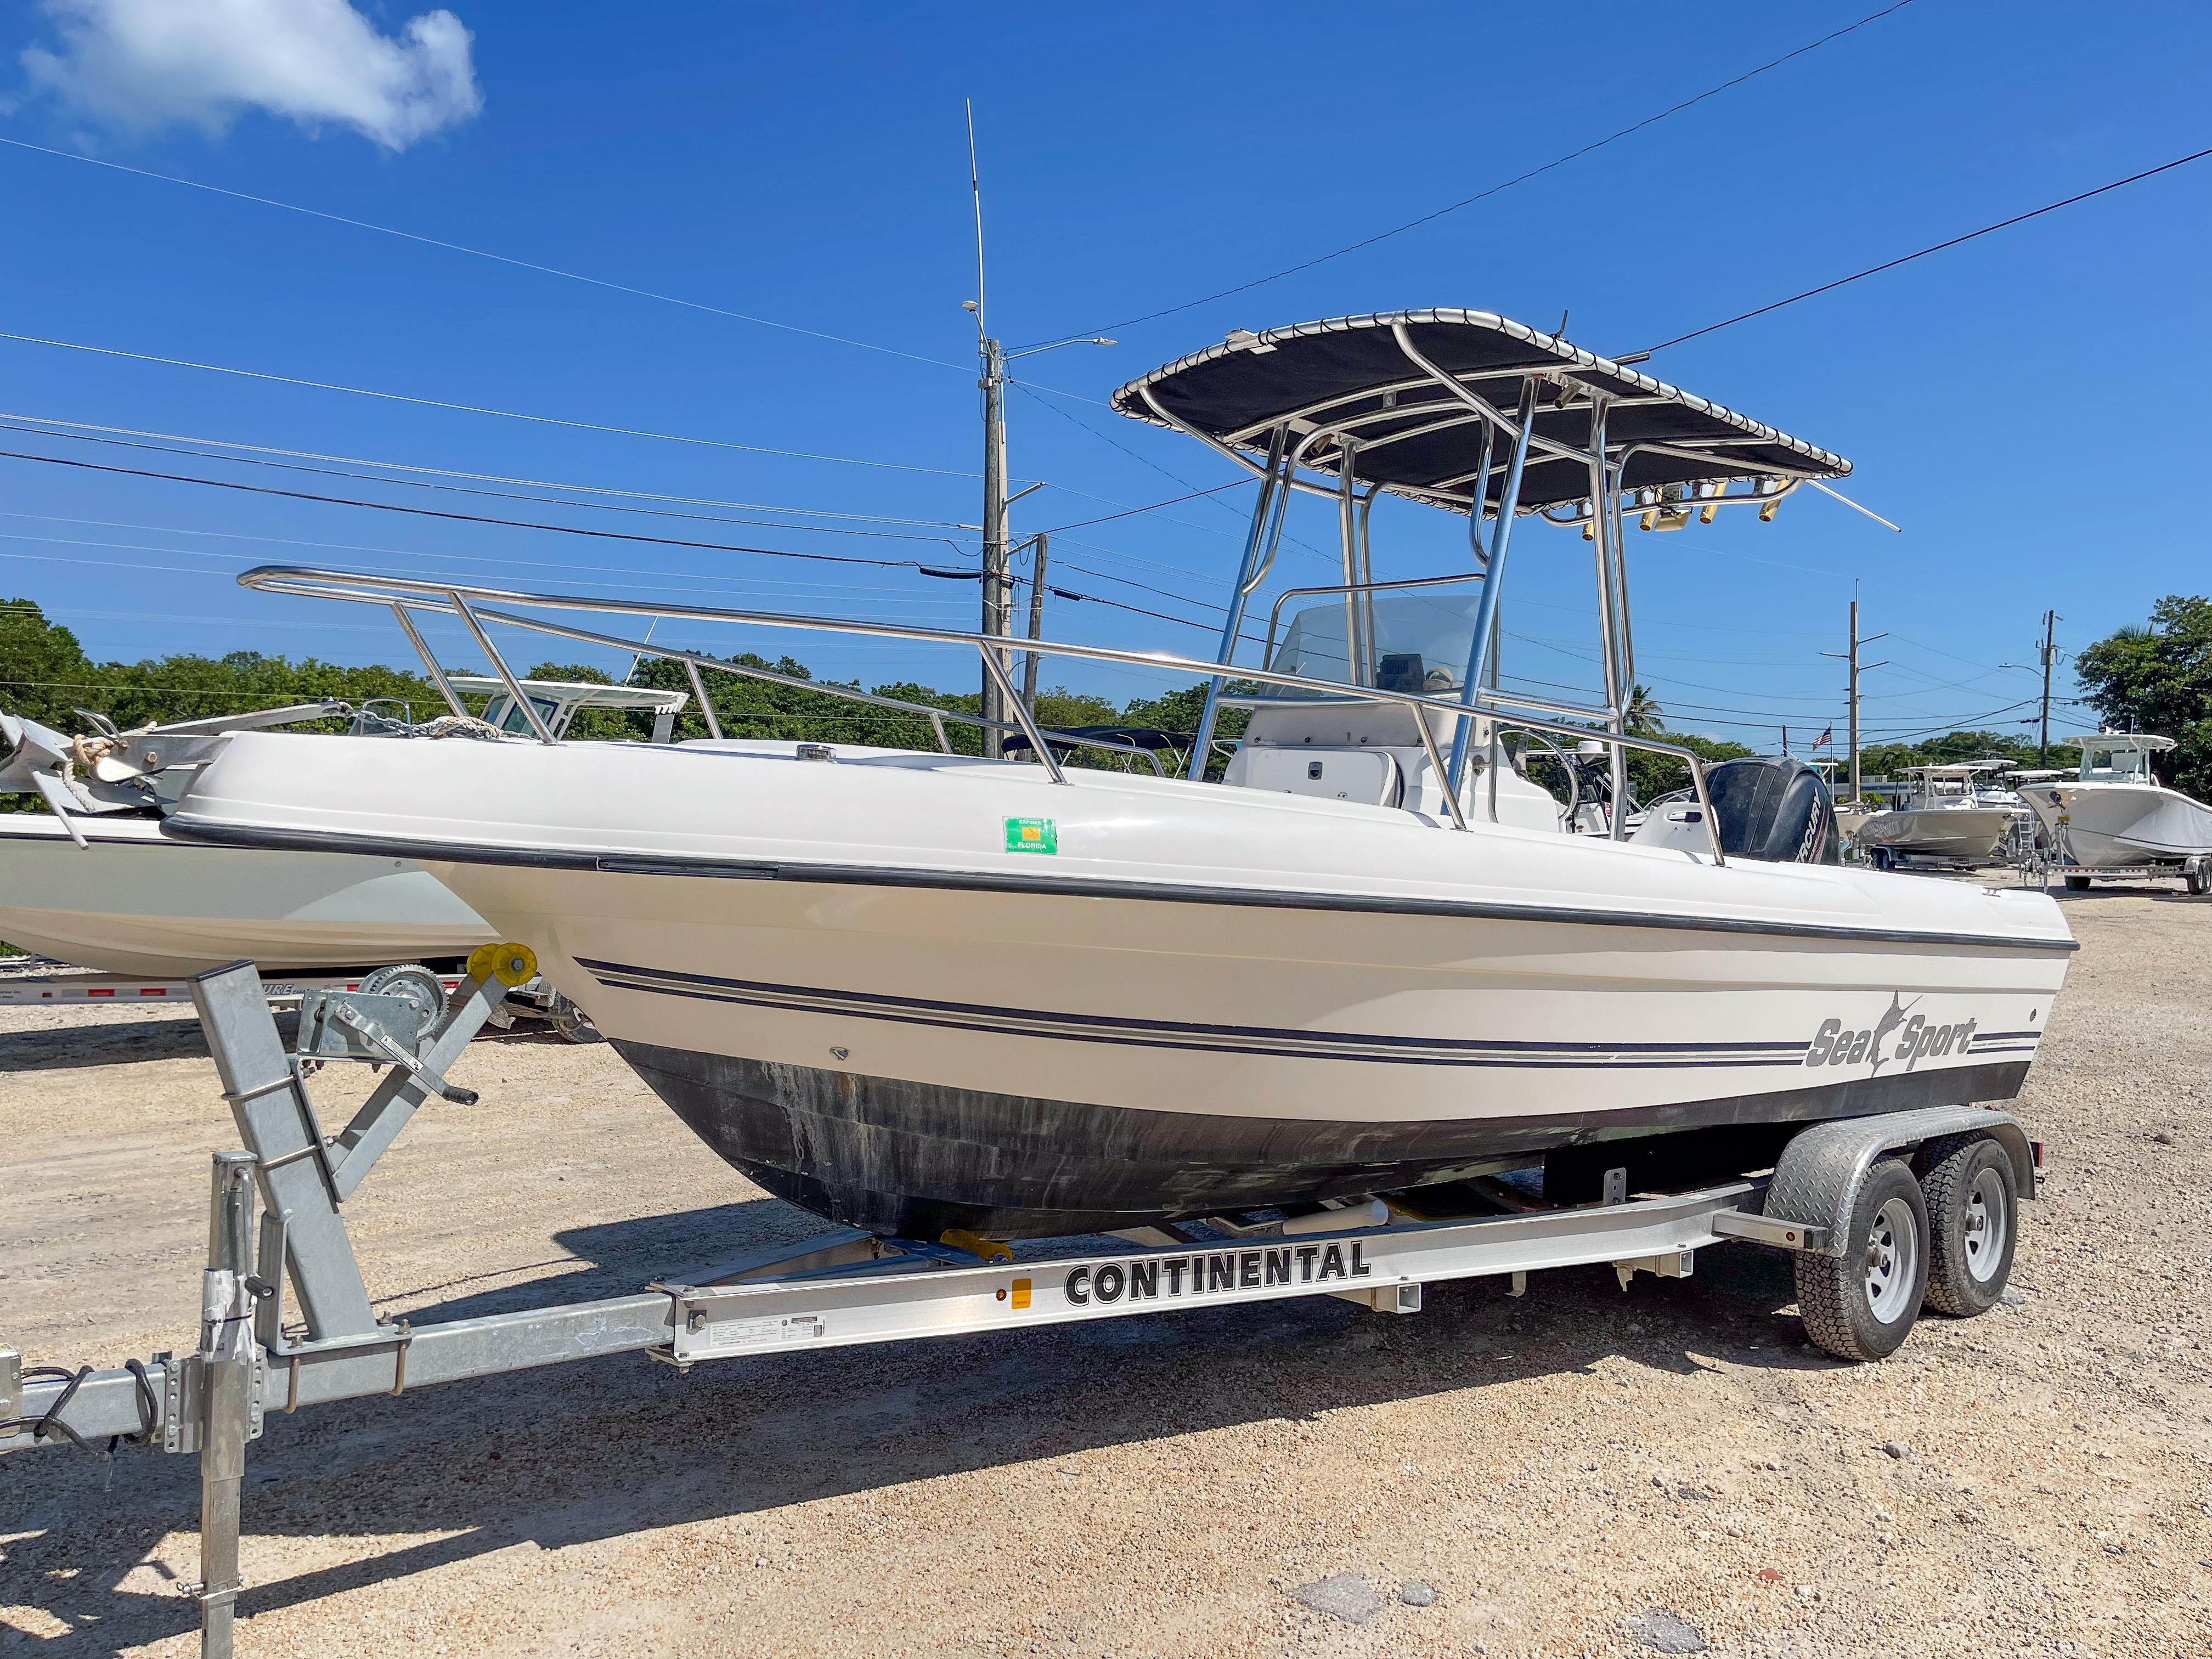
(912, 1159)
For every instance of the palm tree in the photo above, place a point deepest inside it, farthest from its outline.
(1645, 717)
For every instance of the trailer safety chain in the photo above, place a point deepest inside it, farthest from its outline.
(50, 1426)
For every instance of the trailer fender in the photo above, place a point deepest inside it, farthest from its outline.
(1817, 1178)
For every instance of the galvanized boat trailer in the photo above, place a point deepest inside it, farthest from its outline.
(1846, 1198)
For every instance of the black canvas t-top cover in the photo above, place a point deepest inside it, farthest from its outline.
(1414, 438)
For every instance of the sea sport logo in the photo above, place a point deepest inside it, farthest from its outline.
(1917, 1039)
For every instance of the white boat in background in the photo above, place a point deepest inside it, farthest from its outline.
(128, 899)
(1943, 817)
(2115, 812)
(933, 995)
(98, 882)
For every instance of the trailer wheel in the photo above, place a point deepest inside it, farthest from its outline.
(571, 1023)
(2196, 878)
(1881, 858)
(1861, 1305)
(2079, 883)
(1973, 1214)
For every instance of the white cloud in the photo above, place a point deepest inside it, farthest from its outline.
(139, 65)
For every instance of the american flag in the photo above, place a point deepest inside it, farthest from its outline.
(1827, 736)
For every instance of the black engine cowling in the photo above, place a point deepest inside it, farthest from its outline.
(1774, 808)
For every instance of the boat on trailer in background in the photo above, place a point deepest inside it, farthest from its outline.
(1945, 817)
(935, 996)
(2116, 815)
(96, 882)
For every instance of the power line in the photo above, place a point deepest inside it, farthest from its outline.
(1130, 513)
(749, 583)
(1031, 393)
(1758, 717)
(75, 560)
(463, 518)
(463, 489)
(475, 477)
(1518, 179)
(520, 524)
(481, 253)
(1906, 259)
(476, 409)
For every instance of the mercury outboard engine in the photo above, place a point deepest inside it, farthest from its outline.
(1774, 808)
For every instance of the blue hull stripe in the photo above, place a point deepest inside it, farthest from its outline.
(1277, 1041)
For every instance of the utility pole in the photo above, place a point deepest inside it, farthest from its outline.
(1037, 551)
(2050, 620)
(994, 509)
(1857, 669)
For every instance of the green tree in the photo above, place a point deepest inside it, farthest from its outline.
(1650, 777)
(2158, 679)
(1645, 718)
(44, 672)
(1889, 760)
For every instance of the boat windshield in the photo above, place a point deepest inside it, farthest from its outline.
(1420, 643)
(508, 715)
(2125, 763)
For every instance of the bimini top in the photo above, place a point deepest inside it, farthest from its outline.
(2119, 740)
(1363, 378)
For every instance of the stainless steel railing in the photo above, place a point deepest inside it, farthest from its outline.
(472, 604)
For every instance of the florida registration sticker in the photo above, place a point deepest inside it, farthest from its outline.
(1032, 836)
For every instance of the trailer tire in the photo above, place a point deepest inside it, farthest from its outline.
(1861, 1305)
(571, 1023)
(2198, 878)
(1881, 858)
(1973, 1223)
(2078, 884)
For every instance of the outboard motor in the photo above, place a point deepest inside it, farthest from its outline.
(1774, 808)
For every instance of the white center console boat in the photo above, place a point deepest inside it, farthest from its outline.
(2116, 813)
(1944, 816)
(923, 992)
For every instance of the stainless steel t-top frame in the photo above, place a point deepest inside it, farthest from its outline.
(477, 606)
(1339, 430)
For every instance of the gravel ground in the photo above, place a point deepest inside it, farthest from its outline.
(1581, 1472)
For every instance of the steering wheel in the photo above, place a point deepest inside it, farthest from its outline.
(1574, 782)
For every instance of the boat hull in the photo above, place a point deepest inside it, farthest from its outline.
(1188, 998)
(2114, 824)
(1969, 835)
(804, 1032)
(136, 901)
(913, 1160)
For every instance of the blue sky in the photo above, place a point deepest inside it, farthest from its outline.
(808, 165)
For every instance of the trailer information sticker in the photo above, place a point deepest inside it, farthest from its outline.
(766, 1333)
